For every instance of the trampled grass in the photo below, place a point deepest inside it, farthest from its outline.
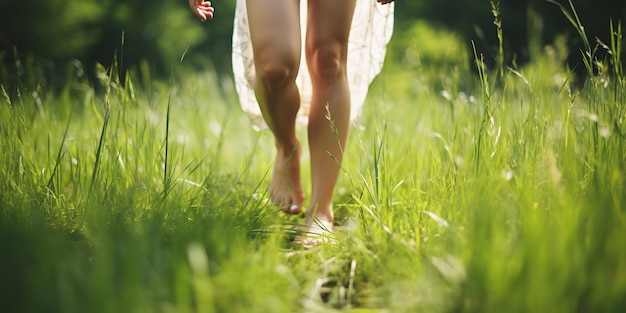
(498, 192)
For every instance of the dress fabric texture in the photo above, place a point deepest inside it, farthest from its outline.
(372, 27)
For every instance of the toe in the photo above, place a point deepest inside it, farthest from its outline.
(293, 208)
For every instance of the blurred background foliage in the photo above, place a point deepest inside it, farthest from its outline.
(158, 34)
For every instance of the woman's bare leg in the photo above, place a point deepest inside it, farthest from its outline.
(328, 29)
(276, 41)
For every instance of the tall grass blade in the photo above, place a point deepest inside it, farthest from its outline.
(60, 154)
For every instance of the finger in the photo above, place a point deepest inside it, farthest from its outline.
(204, 13)
(208, 10)
(208, 13)
(203, 4)
(201, 16)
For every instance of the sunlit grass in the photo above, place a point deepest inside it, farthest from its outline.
(493, 190)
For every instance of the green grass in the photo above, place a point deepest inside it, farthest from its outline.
(498, 192)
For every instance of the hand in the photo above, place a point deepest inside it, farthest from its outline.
(201, 9)
(384, 1)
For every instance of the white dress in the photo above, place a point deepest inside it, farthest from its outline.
(372, 27)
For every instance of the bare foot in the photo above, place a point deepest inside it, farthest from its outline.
(286, 189)
(318, 230)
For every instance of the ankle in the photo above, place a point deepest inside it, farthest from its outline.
(288, 148)
(325, 216)
(325, 220)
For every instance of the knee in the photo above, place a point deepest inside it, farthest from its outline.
(326, 62)
(273, 71)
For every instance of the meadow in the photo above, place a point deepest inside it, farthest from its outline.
(480, 187)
